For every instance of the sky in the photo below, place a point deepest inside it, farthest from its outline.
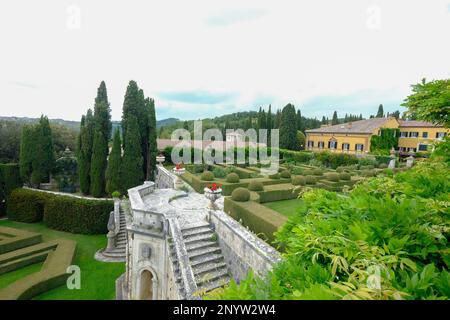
(203, 58)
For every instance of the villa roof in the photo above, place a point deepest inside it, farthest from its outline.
(218, 145)
(361, 126)
(414, 123)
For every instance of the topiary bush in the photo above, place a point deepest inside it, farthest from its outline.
(298, 181)
(255, 186)
(332, 176)
(219, 172)
(240, 195)
(382, 166)
(26, 205)
(345, 176)
(368, 173)
(232, 177)
(274, 176)
(310, 180)
(285, 174)
(318, 172)
(207, 176)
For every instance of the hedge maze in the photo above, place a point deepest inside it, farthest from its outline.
(246, 189)
(19, 248)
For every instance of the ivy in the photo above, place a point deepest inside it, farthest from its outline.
(384, 142)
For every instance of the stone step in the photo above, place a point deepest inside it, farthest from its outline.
(198, 238)
(196, 231)
(203, 251)
(117, 250)
(200, 244)
(196, 225)
(210, 258)
(114, 254)
(211, 276)
(211, 285)
(121, 243)
(207, 267)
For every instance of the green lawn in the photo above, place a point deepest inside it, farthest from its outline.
(7, 278)
(285, 207)
(97, 278)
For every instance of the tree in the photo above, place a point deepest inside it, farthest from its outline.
(380, 113)
(269, 123)
(99, 149)
(102, 96)
(26, 153)
(288, 128)
(114, 164)
(152, 140)
(335, 119)
(301, 140)
(430, 101)
(132, 174)
(324, 121)
(300, 122)
(84, 152)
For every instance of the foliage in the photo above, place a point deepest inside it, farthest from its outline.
(385, 239)
(442, 150)
(384, 142)
(207, 176)
(113, 172)
(9, 180)
(285, 174)
(310, 179)
(84, 151)
(152, 142)
(274, 176)
(115, 194)
(26, 205)
(333, 176)
(65, 172)
(255, 185)
(298, 181)
(430, 101)
(345, 176)
(288, 129)
(232, 177)
(132, 174)
(240, 194)
(219, 172)
(334, 160)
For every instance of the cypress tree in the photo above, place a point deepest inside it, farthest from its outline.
(269, 123)
(114, 165)
(26, 153)
(335, 119)
(380, 113)
(132, 174)
(86, 138)
(43, 157)
(102, 96)
(288, 128)
(152, 143)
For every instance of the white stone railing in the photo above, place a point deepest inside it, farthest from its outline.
(164, 178)
(142, 217)
(242, 249)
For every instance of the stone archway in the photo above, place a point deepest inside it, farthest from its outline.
(147, 285)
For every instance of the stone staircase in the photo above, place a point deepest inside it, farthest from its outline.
(205, 258)
(119, 252)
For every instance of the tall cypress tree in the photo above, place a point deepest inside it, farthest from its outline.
(288, 128)
(269, 123)
(43, 156)
(152, 140)
(380, 113)
(114, 164)
(84, 154)
(102, 96)
(26, 153)
(132, 174)
(335, 119)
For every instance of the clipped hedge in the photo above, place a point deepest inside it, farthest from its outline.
(310, 180)
(207, 176)
(298, 181)
(9, 180)
(240, 195)
(232, 177)
(345, 176)
(274, 176)
(255, 185)
(277, 193)
(332, 176)
(317, 172)
(65, 213)
(285, 174)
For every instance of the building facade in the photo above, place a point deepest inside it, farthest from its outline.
(355, 137)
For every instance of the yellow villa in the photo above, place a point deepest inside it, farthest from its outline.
(354, 137)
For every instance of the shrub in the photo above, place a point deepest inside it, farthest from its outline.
(240, 195)
(310, 180)
(340, 169)
(318, 172)
(255, 186)
(332, 176)
(285, 174)
(307, 172)
(345, 176)
(334, 160)
(207, 176)
(274, 176)
(232, 177)
(219, 172)
(26, 205)
(297, 171)
(298, 181)
(368, 173)
(382, 166)
(367, 167)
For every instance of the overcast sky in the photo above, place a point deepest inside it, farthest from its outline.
(207, 58)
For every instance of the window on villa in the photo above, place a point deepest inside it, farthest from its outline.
(424, 134)
(403, 134)
(346, 146)
(440, 135)
(412, 149)
(423, 147)
(413, 134)
(359, 147)
(332, 144)
(321, 144)
(310, 144)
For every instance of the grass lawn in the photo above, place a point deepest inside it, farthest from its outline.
(7, 278)
(97, 278)
(285, 207)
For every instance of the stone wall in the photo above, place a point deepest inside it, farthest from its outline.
(164, 178)
(243, 250)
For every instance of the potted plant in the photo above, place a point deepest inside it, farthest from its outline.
(178, 170)
(212, 193)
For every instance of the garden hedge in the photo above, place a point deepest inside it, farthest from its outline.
(240, 195)
(232, 177)
(298, 181)
(278, 192)
(9, 180)
(255, 185)
(207, 176)
(65, 213)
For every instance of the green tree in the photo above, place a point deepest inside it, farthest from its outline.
(132, 174)
(114, 164)
(26, 152)
(84, 153)
(430, 101)
(43, 156)
(269, 123)
(288, 128)
(152, 140)
(335, 119)
(301, 140)
(380, 112)
(102, 96)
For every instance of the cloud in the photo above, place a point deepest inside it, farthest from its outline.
(231, 16)
(196, 97)
(24, 84)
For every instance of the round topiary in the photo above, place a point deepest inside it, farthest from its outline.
(345, 176)
(317, 172)
(333, 176)
(307, 172)
(255, 186)
(298, 181)
(207, 176)
(340, 169)
(232, 177)
(368, 173)
(285, 174)
(382, 165)
(274, 176)
(240, 195)
(310, 180)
